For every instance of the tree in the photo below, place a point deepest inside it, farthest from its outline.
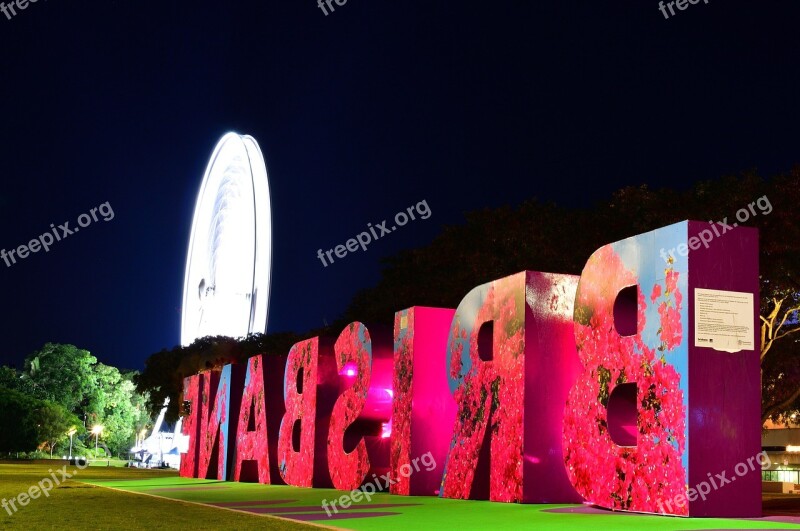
(118, 414)
(71, 382)
(63, 374)
(142, 419)
(53, 423)
(10, 378)
(17, 426)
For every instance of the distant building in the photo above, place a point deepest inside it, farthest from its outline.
(783, 448)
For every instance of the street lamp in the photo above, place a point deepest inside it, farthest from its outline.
(71, 432)
(96, 430)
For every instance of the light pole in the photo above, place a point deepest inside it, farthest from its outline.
(71, 432)
(97, 430)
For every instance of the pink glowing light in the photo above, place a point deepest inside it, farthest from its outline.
(349, 370)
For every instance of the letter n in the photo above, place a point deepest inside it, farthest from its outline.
(220, 411)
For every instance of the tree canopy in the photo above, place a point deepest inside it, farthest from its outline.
(541, 236)
(62, 387)
(62, 373)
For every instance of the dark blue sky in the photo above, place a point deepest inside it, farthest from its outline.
(360, 114)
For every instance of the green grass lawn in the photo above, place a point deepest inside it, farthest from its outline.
(77, 505)
(388, 512)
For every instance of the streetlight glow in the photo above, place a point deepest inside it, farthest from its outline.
(71, 432)
(96, 430)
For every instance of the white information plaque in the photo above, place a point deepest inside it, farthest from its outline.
(723, 320)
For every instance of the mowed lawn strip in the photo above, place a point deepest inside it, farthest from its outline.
(425, 513)
(74, 504)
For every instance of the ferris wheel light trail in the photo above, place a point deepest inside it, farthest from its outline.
(229, 261)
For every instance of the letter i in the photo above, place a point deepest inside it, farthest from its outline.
(372, 230)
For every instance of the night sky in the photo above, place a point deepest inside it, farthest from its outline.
(360, 114)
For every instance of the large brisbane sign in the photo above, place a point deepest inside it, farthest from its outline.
(622, 387)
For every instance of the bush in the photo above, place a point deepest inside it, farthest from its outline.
(38, 454)
(17, 427)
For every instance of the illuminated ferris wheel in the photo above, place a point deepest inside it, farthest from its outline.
(228, 267)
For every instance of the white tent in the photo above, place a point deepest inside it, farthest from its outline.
(163, 447)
